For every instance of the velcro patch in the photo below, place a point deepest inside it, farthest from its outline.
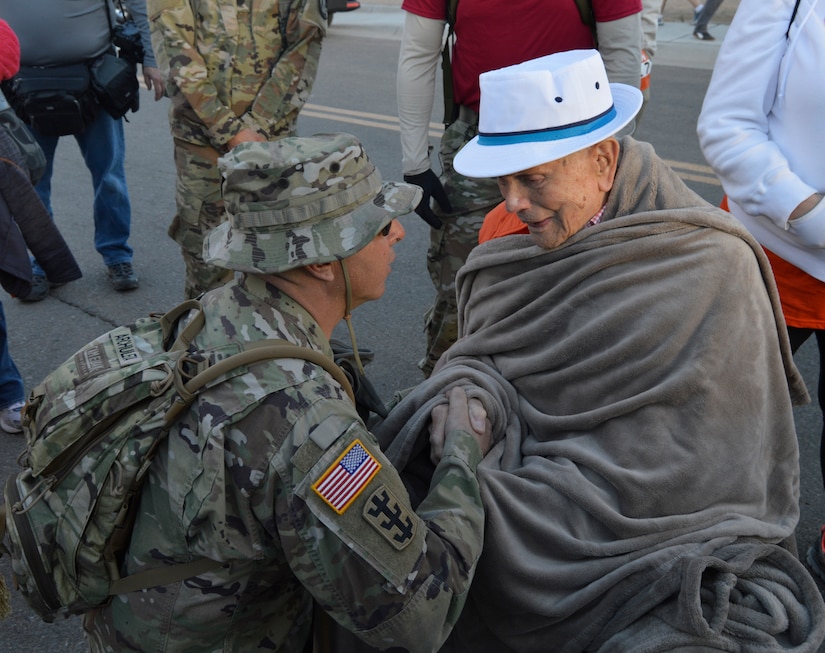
(386, 514)
(91, 360)
(124, 344)
(346, 478)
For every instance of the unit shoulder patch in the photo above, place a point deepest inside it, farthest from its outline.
(390, 517)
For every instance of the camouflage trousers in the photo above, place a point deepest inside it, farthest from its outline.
(471, 199)
(199, 208)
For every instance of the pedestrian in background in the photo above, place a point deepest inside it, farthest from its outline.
(57, 32)
(24, 224)
(489, 35)
(760, 130)
(236, 71)
(702, 13)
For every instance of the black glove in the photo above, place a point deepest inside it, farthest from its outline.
(429, 182)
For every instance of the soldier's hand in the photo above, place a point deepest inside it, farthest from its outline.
(460, 413)
(154, 81)
(245, 136)
(429, 182)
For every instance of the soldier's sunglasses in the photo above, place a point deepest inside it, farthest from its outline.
(386, 230)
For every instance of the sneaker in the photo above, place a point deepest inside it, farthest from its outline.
(660, 21)
(696, 13)
(39, 291)
(816, 555)
(10, 418)
(702, 36)
(122, 276)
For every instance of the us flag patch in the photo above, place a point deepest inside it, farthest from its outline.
(346, 477)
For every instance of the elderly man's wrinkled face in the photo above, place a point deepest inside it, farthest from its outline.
(555, 200)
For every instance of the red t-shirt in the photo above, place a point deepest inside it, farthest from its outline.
(492, 34)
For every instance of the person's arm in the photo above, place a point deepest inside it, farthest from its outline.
(151, 72)
(173, 28)
(620, 44)
(287, 89)
(415, 87)
(418, 63)
(733, 123)
(650, 25)
(393, 575)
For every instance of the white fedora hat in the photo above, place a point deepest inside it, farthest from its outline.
(542, 110)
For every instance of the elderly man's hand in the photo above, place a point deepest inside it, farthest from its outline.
(460, 414)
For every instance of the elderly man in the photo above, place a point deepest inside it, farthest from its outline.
(273, 473)
(633, 350)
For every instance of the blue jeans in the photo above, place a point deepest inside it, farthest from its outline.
(103, 147)
(11, 383)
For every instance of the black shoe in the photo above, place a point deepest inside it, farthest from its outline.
(703, 36)
(122, 276)
(39, 291)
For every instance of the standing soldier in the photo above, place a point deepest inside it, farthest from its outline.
(236, 71)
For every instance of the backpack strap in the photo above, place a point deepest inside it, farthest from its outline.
(169, 322)
(165, 575)
(450, 107)
(586, 12)
(253, 352)
(585, 8)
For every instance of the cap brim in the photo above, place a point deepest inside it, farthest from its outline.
(269, 251)
(475, 160)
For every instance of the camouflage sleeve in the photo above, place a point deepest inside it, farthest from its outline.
(276, 106)
(351, 537)
(183, 67)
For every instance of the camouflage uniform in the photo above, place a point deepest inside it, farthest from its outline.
(471, 200)
(274, 472)
(229, 66)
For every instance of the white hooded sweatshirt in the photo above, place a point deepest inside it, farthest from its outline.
(762, 125)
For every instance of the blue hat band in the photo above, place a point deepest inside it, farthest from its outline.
(551, 133)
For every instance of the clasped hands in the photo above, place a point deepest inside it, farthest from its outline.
(460, 413)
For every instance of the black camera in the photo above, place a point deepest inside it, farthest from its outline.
(126, 38)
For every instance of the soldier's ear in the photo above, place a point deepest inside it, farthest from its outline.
(321, 271)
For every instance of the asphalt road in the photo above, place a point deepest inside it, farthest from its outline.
(355, 92)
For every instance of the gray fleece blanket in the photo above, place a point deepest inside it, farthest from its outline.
(641, 376)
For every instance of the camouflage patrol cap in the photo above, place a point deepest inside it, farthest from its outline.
(301, 200)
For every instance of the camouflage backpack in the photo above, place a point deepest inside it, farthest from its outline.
(92, 428)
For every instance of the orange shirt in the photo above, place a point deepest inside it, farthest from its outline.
(499, 222)
(801, 295)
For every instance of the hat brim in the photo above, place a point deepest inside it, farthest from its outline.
(267, 252)
(475, 160)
